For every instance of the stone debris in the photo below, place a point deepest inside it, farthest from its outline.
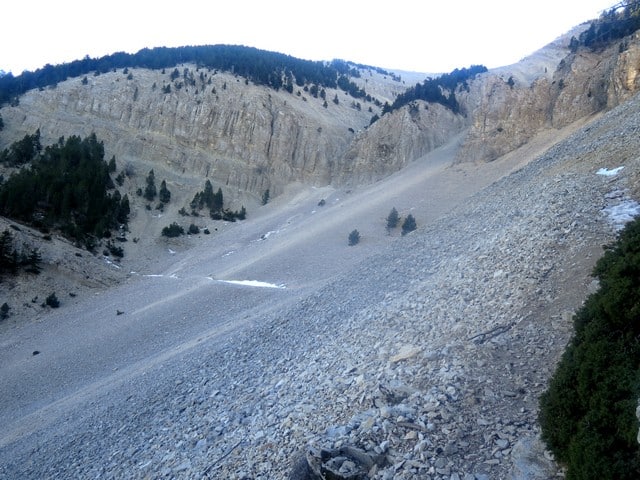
(424, 363)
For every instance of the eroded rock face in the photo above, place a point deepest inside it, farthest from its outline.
(397, 139)
(251, 138)
(242, 135)
(507, 111)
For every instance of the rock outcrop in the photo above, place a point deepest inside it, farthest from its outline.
(248, 137)
(508, 107)
(251, 138)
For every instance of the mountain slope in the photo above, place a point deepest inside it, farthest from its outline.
(233, 381)
(423, 354)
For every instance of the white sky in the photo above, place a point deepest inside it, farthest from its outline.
(413, 35)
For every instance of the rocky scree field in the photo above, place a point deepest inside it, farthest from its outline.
(425, 360)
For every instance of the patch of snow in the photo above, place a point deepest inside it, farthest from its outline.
(622, 213)
(230, 252)
(253, 283)
(609, 173)
(172, 251)
(109, 262)
(267, 235)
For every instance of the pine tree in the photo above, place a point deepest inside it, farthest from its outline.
(392, 219)
(409, 225)
(6, 245)
(164, 195)
(207, 195)
(124, 210)
(33, 262)
(150, 191)
(218, 201)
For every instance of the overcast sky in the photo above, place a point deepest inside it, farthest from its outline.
(421, 36)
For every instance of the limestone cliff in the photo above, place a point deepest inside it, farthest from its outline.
(251, 138)
(245, 136)
(397, 139)
(551, 89)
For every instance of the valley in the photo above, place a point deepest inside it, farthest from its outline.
(271, 348)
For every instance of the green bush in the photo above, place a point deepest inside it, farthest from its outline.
(354, 238)
(587, 414)
(52, 301)
(173, 230)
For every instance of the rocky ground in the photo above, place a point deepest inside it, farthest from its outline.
(425, 361)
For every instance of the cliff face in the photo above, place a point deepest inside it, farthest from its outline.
(239, 134)
(508, 108)
(250, 138)
(397, 139)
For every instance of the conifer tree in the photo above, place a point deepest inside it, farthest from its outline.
(354, 238)
(392, 219)
(164, 195)
(150, 191)
(409, 224)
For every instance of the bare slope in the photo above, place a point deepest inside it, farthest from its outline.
(198, 376)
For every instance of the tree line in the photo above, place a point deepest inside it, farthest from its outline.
(438, 90)
(13, 259)
(272, 69)
(215, 203)
(615, 23)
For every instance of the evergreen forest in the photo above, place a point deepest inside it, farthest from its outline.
(615, 23)
(65, 186)
(272, 69)
(438, 90)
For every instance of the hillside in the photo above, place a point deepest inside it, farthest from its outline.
(234, 380)
(273, 349)
(247, 138)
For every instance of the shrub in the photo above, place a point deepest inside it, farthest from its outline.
(115, 250)
(587, 414)
(354, 238)
(173, 230)
(52, 300)
(4, 311)
(193, 229)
